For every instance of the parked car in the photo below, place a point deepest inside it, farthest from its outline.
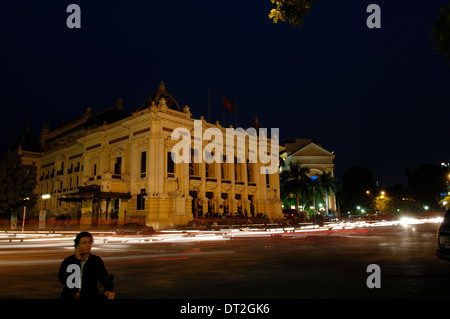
(443, 251)
(133, 228)
(291, 213)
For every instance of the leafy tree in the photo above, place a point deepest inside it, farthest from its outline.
(17, 182)
(402, 200)
(383, 204)
(426, 183)
(358, 189)
(292, 11)
(440, 33)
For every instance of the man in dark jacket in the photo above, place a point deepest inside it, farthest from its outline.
(81, 272)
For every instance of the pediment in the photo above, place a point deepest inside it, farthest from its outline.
(312, 149)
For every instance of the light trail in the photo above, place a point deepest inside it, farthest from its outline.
(42, 239)
(31, 248)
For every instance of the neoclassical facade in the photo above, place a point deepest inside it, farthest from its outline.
(313, 156)
(114, 167)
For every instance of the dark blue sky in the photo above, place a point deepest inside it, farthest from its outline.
(378, 98)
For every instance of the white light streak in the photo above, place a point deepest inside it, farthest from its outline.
(65, 239)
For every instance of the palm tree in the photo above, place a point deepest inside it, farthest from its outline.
(315, 191)
(328, 186)
(293, 181)
(303, 185)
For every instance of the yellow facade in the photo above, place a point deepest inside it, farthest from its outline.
(120, 171)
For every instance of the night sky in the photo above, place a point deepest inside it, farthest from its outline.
(378, 98)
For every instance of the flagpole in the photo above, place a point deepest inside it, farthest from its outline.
(223, 110)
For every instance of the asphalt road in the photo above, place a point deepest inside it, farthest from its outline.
(280, 266)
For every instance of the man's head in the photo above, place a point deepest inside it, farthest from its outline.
(84, 240)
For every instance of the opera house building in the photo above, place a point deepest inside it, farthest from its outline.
(112, 167)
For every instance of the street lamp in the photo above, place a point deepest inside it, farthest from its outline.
(43, 214)
(45, 197)
(23, 215)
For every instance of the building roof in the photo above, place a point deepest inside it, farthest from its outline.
(52, 138)
(292, 147)
(161, 93)
(27, 141)
(69, 131)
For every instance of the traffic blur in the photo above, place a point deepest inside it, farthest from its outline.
(289, 262)
(43, 239)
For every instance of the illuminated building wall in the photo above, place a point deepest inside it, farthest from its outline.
(112, 167)
(314, 157)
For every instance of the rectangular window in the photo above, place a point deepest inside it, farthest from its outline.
(143, 163)
(118, 166)
(141, 200)
(194, 168)
(170, 166)
(60, 172)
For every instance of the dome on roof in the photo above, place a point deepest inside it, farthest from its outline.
(161, 93)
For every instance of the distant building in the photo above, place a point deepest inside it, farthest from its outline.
(114, 167)
(313, 156)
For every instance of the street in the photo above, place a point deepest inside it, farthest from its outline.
(320, 264)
